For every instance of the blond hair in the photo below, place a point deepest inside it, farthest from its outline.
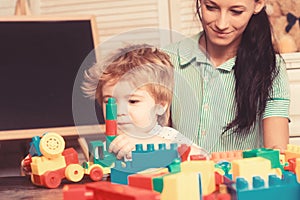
(143, 66)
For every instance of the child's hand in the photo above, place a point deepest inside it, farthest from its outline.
(196, 150)
(122, 146)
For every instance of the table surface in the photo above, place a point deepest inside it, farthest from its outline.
(20, 187)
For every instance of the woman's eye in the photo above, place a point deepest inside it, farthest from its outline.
(237, 12)
(208, 7)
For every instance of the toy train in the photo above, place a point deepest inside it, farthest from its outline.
(49, 163)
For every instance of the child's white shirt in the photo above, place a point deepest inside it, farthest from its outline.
(175, 136)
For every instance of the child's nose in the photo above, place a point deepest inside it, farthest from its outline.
(122, 108)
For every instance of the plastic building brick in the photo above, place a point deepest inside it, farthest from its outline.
(157, 178)
(77, 192)
(227, 178)
(275, 188)
(198, 157)
(226, 156)
(111, 117)
(207, 171)
(150, 158)
(297, 169)
(144, 180)
(256, 166)
(34, 149)
(154, 171)
(40, 165)
(291, 165)
(225, 167)
(111, 121)
(184, 151)
(270, 154)
(118, 175)
(219, 179)
(107, 191)
(222, 194)
(111, 191)
(71, 156)
(143, 159)
(176, 187)
(158, 183)
(209, 197)
(292, 151)
(174, 167)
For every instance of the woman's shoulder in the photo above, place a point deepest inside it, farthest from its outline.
(280, 64)
(279, 58)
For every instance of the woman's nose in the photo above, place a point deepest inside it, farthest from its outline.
(222, 22)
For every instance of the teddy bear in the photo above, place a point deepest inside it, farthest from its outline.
(284, 17)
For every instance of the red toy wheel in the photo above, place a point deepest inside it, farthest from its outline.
(96, 174)
(52, 179)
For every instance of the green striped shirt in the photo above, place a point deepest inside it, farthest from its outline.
(204, 99)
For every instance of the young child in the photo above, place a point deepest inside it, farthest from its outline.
(140, 78)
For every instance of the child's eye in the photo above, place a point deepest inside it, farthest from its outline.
(133, 101)
(105, 100)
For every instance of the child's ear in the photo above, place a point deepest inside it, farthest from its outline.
(161, 108)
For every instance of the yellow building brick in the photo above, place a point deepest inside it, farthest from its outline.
(40, 165)
(183, 185)
(206, 168)
(292, 151)
(255, 166)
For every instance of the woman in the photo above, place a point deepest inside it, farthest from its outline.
(231, 90)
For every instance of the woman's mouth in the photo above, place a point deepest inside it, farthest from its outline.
(221, 33)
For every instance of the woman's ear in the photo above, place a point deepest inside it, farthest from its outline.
(259, 5)
(161, 108)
